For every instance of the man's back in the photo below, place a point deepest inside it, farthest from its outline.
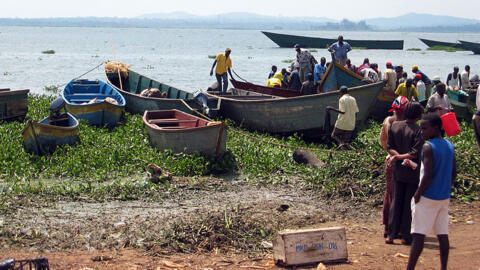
(295, 80)
(348, 105)
(443, 154)
(391, 76)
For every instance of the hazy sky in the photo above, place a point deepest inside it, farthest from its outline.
(350, 9)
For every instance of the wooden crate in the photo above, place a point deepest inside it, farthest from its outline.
(297, 247)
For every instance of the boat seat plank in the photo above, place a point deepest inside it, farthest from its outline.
(84, 100)
(173, 127)
(167, 121)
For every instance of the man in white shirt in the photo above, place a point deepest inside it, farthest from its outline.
(345, 124)
(369, 74)
(465, 78)
(420, 85)
(439, 102)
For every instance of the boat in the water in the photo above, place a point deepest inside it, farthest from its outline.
(13, 104)
(95, 101)
(131, 84)
(471, 46)
(288, 41)
(304, 114)
(182, 132)
(45, 136)
(434, 43)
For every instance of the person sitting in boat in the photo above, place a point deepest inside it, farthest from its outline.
(306, 61)
(465, 78)
(345, 124)
(439, 102)
(425, 78)
(274, 70)
(390, 76)
(420, 85)
(224, 64)
(350, 67)
(435, 81)
(308, 87)
(369, 74)
(408, 90)
(374, 66)
(319, 70)
(403, 78)
(274, 82)
(295, 82)
(399, 71)
(366, 64)
(340, 49)
(453, 79)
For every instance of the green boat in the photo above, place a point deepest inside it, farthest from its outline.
(471, 46)
(172, 98)
(433, 43)
(459, 101)
(305, 114)
(13, 104)
(288, 41)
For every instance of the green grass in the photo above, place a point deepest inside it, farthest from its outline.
(313, 51)
(212, 56)
(359, 48)
(110, 164)
(288, 61)
(445, 48)
(48, 52)
(414, 49)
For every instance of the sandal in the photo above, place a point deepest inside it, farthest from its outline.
(406, 242)
(389, 241)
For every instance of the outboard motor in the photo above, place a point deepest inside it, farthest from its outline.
(57, 118)
(202, 100)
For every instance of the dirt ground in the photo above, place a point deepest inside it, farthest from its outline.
(83, 235)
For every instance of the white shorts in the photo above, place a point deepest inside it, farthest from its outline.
(430, 216)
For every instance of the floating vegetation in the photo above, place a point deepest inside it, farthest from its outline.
(52, 89)
(250, 57)
(414, 49)
(313, 51)
(288, 61)
(249, 47)
(445, 48)
(212, 56)
(359, 48)
(6, 73)
(149, 67)
(95, 56)
(48, 52)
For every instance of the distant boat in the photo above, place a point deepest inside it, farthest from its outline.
(94, 101)
(45, 136)
(173, 98)
(288, 41)
(13, 104)
(471, 46)
(433, 43)
(182, 132)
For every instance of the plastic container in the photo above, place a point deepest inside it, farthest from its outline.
(450, 124)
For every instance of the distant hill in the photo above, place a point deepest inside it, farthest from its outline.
(245, 20)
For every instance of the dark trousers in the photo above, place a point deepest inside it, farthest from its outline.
(223, 77)
(400, 216)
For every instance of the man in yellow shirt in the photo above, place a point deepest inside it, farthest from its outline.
(408, 90)
(347, 116)
(224, 64)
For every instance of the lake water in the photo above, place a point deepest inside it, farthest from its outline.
(179, 57)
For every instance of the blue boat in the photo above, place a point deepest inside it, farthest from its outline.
(95, 101)
(45, 136)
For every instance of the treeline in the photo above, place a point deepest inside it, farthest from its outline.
(345, 25)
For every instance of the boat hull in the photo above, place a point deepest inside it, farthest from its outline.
(288, 41)
(433, 43)
(471, 46)
(41, 138)
(208, 139)
(13, 104)
(77, 93)
(295, 114)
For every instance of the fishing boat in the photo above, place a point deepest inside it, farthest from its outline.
(94, 101)
(131, 84)
(45, 136)
(182, 132)
(305, 114)
(274, 91)
(13, 104)
(433, 43)
(471, 46)
(459, 101)
(288, 41)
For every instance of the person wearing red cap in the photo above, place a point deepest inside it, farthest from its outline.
(420, 85)
(398, 107)
(390, 76)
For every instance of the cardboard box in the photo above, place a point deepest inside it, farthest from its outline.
(307, 246)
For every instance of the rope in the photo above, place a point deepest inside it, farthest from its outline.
(239, 76)
(61, 85)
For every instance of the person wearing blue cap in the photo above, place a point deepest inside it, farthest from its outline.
(340, 49)
(306, 61)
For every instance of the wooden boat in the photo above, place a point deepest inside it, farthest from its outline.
(288, 41)
(337, 75)
(470, 46)
(13, 104)
(304, 114)
(433, 43)
(175, 98)
(94, 101)
(182, 132)
(459, 101)
(43, 137)
(281, 92)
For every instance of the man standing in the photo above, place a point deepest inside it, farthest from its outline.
(306, 61)
(407, 89)
(345, 125)
(224, 64)
(465, 78)
(453, 79)
(431, 200)
(340, 49)
(390, 76)
(425, 78)
(420, 85)
(439, 102)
